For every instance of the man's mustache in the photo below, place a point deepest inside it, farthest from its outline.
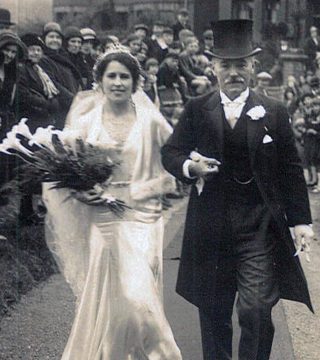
(234, 80)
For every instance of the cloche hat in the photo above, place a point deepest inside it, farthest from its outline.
(31, 39)
(52, 27)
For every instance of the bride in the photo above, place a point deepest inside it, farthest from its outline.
(114, 264)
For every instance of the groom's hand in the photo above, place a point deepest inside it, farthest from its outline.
(202, 166)
(90, 197)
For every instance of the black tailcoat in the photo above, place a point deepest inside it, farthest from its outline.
(277, 172)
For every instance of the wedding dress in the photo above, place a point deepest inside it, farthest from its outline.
(113, 264)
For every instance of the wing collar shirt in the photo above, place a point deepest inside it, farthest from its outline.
(232, 110)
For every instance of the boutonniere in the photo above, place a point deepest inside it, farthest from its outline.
(257, 112)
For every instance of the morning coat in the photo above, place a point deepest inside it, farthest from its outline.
(278, 174)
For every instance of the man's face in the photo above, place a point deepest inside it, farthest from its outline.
(141, 33)
(157, 30)
(233, 75)
(183, 19)
(313, 31)
(264, 83)
(168, 38)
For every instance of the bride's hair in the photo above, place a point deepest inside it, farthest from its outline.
(123, 57)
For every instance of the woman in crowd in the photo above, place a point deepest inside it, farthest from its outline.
(12, 50)
(72, 43)
(114, 264)
(68, 77)
(38, 94)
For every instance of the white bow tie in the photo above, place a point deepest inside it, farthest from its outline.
(233, 109)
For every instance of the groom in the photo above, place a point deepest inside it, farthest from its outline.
(238, 149)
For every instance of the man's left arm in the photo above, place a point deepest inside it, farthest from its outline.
(292, 182)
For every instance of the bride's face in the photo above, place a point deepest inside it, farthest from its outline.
(117, 82)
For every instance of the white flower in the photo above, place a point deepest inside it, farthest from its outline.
(11, 142)
(68, 137)
(42, 137)
(23, 129)
(257, 112)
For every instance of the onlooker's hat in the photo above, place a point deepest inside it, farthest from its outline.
(305, 95)
(233, 39)
(208, 34)
(172, 55)
(159, 23)
(5, 17)
(141, 26)
(88, 34)
(168, 30)
(264, 76)
(31, 39)
(52, 27)
(72, 32)
(8, 37)
(183, 11)
(151, 62)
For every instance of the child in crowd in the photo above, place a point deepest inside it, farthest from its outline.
(150, 85)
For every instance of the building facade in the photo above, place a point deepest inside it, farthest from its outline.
(273, 18)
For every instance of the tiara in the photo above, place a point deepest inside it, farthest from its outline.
(115, 49)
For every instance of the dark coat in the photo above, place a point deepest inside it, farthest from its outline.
(155, 51)
(188, 68)
(69, 76)
(33, 102)
(311, 49)
(177, 27)
(83, 68)
(8, 99)
(278, 174)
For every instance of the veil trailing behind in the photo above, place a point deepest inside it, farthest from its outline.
(114, 265)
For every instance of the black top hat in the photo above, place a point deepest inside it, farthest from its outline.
(5, 17)
(233, 39)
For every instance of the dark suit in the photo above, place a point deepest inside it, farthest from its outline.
(216, 233)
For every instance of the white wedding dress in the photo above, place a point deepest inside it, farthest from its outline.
(113, 264)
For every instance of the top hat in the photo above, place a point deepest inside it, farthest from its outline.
(233, 39)
(5, 17)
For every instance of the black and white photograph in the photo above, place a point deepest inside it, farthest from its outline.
(159, 179)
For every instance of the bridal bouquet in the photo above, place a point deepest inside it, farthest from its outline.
(63, 158)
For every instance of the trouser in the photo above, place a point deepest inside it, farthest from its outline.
(248, 270)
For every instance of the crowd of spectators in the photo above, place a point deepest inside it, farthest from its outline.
(40, 74)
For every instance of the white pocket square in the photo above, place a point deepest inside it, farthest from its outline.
(267, 139)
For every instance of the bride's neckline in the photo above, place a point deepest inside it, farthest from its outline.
(119, 128)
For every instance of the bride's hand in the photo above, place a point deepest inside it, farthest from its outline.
(89, 197)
